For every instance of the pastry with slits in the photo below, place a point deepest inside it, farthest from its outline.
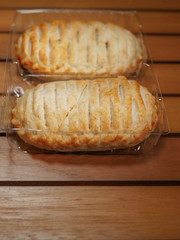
(79, 49)
(85, 115)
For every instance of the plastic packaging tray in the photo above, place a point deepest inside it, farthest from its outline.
(17, 79)
(26, 19)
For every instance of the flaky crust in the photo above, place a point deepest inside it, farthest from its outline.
(79, 49)
(85, 115)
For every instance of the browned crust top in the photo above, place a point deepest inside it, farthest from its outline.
(85, 114)
(79, 48)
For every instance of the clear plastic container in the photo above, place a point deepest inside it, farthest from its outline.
(17, 79)
(25, 19)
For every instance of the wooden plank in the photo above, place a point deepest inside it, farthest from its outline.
(162, 48)
(160, 22)
(162, 163)
(172, 105)
(90, 213)
(4, 40)
(6, 19)
(2, 78)
(152, 22)
(128, 4)
(167, 75)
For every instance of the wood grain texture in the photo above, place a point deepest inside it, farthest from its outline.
(160, 22)
(4, 40)
(2, 76)
(128, 4)
(172, 105)
(152, 22)
(98, 212)
(160, 164)
(90, 213)
(164, 48)
(168, 77)
(6, 19)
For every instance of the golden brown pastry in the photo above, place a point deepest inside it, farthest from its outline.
(85, 115)
(78, 49)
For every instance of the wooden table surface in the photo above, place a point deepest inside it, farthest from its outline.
(71, 196)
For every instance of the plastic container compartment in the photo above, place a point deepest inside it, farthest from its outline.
(18, 79)
(26, 19)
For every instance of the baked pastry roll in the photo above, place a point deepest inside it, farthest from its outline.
(85, 115)
(78, 49)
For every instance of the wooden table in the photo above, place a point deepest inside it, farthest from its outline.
(70, 196)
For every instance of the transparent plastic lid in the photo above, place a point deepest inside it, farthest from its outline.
(70, 69)
(18, 79)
